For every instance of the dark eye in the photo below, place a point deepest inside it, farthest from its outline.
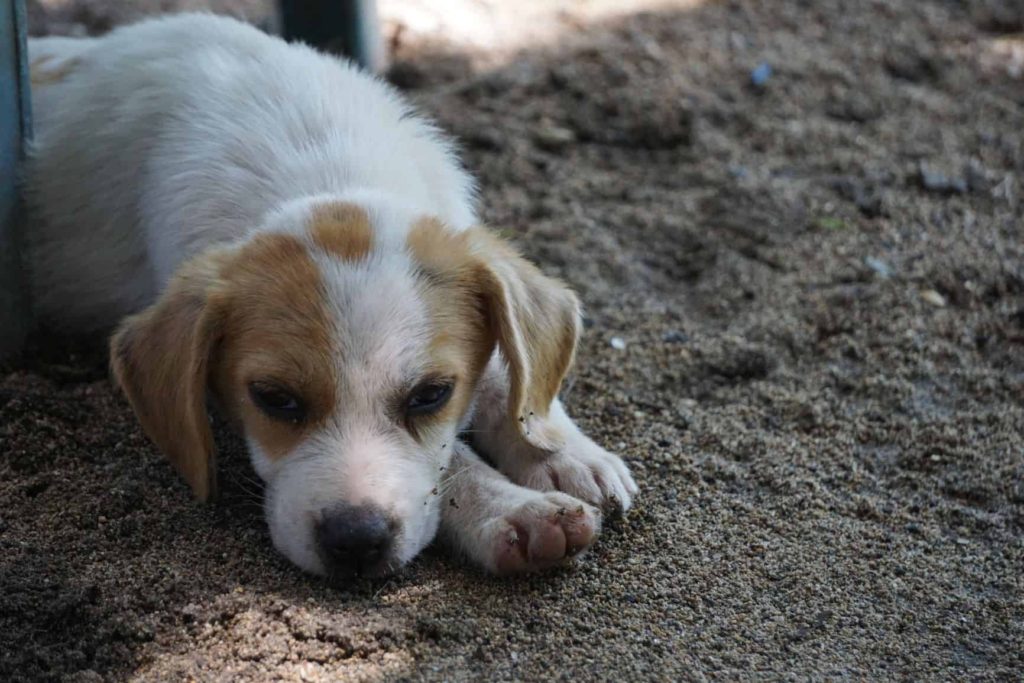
(428, 398)
(276, 402)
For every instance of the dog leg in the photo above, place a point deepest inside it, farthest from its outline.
(508, 529)
(573, 463)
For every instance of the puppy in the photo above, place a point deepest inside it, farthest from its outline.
(281, 234)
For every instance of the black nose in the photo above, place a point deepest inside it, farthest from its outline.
(354, 540)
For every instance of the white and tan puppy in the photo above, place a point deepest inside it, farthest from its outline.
(288, 239)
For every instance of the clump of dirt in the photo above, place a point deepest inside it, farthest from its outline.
(815, 280)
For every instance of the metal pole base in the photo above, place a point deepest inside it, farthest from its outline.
(346, 27)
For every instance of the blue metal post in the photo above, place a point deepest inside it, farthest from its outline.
(15, 127)
(347, 27)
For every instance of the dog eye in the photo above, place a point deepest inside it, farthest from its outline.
(277, 403)
(428, 398)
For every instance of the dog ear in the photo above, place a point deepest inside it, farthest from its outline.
(160, 359)
(536, 320)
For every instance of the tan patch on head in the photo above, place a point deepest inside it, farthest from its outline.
(42, 72)
(277, 329)
(462, 340)
(342, 230)
(228, 318)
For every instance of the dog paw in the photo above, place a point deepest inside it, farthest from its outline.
(547, 530)
(582, 469)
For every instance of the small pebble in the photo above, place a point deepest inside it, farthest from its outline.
(934, 298)
(739, 172)
(760, 75)
(831, 223)
(553, 137)
(880, 267)
(675, 337)
(618, 343)
(937, 182)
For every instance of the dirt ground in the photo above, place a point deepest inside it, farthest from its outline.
(805, 332)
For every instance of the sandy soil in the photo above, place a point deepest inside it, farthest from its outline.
(819, 285)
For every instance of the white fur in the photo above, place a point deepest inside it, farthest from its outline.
(178, 133)
(164, 139)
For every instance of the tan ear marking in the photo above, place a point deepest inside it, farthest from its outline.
(342, 230)
(535, 318)
(160, 359)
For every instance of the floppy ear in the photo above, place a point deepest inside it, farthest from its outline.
(536, 320)
(160, 359)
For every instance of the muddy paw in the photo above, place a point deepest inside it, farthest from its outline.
(548, 530)
(584, 470)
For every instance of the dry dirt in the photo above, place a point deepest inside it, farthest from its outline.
(819, 283)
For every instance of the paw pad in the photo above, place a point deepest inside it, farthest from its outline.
(544, 533)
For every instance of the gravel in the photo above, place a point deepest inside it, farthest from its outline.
(831, 463)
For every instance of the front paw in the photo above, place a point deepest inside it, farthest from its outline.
(582, 469)
(546, 530)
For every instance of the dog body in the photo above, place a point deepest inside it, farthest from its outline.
(163, 139)
(289, 238)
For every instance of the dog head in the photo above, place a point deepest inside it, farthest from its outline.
(346, 342)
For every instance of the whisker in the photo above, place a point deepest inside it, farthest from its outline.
(252, 490)
(247, 485)
(245, 476)
(567, 388)
(477, 431)
(387, 583)
(447, 483)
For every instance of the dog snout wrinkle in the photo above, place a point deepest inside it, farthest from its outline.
(355, 540)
